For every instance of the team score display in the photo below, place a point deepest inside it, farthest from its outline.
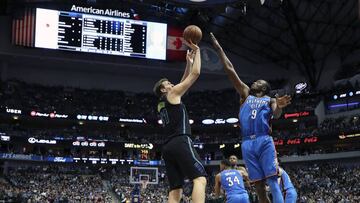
(73, 31)
(232, 181)
(253, 114)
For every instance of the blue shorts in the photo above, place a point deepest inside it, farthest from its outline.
(260, 158)
(241, 198)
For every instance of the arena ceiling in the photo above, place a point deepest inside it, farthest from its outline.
(284, 32)
(301, 32)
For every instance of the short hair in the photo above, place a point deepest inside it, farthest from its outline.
(157, 87)
(268, 87)
(226, 162)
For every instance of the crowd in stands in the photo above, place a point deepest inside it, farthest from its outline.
(65, 100)
(329, 127)
(322, 183)
(203, 104)
(340, 125)
(53, 185)
(314, 182)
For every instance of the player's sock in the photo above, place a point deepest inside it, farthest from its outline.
(275, 189)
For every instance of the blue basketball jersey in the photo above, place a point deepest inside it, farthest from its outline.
(254, 116)
(232, 182)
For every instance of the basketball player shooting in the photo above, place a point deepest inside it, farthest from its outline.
(181, 159)
(256, 110)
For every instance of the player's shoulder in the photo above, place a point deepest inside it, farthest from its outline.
(218, 177)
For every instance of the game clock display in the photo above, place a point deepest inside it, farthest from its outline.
(100, 34)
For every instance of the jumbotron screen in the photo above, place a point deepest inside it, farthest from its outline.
(100, 34)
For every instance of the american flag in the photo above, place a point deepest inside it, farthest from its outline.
(23, 27)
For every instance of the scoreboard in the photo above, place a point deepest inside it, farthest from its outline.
(81, 32)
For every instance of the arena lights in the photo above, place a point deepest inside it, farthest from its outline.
(343, 136)
(60, 159)
(222, 146)
(199, 145)
(113, 161)
(296, 141)
(88, 144)
(4, 137)
(33, 140)
(208, 122)
(219, 121)
(344, 105)
(48, 115)
(232, 120)
(132, 120)
(236, 145)
(13, 111)
(138, 146)
(300, 87)
(344, 95)
(92, 118)
(310, 140)
(297, 114)
(191, 121)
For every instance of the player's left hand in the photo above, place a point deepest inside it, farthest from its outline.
(215, 42)
(283, 101)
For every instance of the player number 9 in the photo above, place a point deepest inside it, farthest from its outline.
(253, 114)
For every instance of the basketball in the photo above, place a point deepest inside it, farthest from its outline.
(192, 33)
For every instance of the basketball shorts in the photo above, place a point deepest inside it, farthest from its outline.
(181, 161)
(260, 158)
(241, 198)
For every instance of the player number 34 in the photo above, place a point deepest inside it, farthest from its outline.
(231, 182)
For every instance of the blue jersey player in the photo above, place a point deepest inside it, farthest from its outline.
(256, 110)
(231, 181)
(287, 187)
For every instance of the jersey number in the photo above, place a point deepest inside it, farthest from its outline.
(253, 114)
(231, 182)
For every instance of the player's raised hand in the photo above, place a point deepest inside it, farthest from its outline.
(190, 56)
(190, 44)
(214, 41)
(283, 101)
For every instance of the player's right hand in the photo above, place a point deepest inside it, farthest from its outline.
(283, 101)
(214, 41)
(190, 44)
(190, 56)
